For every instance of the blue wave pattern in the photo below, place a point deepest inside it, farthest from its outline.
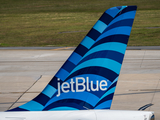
(98, 56)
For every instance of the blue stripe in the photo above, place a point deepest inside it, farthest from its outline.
(114, 81)
(119, 7)
(106, 104)
(129, 8)
(63, 108)
(32, 106)
(116, 56)
(104, 72)
(122, 7)
(77, 104)
(100, 62)
(113, 84)
(84, 96)
(62, 74)
(112, 11)
(118, 30)
(41, 98)
(94, 34)
(100, 26)
(68, 66)
(113, 38)
(75, 58)
(81, 50)
(108, 92)
(128, 15)
(17, 109)
(49, 91)
(114, 46)
(53, 82)
(87, 42)
(115, 10)
(106, 18)
(109, 97)
(125, 22)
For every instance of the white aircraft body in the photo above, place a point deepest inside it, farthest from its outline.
(84, 86)
(79, 115)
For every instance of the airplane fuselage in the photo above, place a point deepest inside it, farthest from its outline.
(78, 115)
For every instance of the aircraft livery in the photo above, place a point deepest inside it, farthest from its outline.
(87, 80)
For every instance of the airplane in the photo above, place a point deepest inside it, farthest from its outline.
(84, 86)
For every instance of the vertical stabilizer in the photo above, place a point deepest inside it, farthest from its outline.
(87, 80)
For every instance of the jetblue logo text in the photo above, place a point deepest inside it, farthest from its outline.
(81, 84)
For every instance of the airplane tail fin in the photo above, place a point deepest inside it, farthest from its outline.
(87, 80)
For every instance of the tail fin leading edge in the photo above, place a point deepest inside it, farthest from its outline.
(87, 80)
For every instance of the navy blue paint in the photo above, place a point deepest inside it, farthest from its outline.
(113, 38)
(53, 82)
(126, 22)
(69, 103)
(94, 34)
(42, 99)
(116, 56)
(81, 50)
(17, 109)
(104, 72)
(68, 66)
(106, 18)
(108, 97)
